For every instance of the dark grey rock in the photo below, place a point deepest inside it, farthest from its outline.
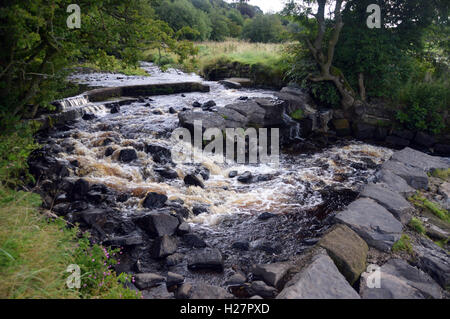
(241, 245)
(320, 279)
(157, 224)
(166, 172)
(206, 259)
(260, 288)
(183, 229)
(246, 178)
(433, 260)
(148, 280)
(236, 280)
(194, 240)
(201, 291)
(193, 180)
(390, 200)
(415, 177)
(164, 246)
(372, 222)
(233, 174)
(424, 139)
(396, 141)
(399, 280)
(230, 84)
(127, 155)
(174, 279)
(272, 274)
(154, 201)
(159, 153)
(174, 259)
(396, 183)
(266, 216)
(420, 160)
(128, 240)
(200, 209)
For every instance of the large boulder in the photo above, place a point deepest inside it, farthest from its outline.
(348, 251)
(157, 223)
(433, 260)
(208, 120)
(395, 182)
(420, 160)
(127, 155)
(392, 201)
(154, 200)
(319, 280)
(164, 246)
(251, 110)
(372, 222)
(206, 259)
(415, 177)
(272, 274)
(399, 280)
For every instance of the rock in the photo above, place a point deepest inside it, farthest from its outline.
(200, 209)
(89, 117)
(272, 274)
(420, 160)
(172, 110)
(251, 110)
(390, 200)
(154, 200)
(157, 224)
(115, 109)
(424, 139)
(164, 246)
(395, 183)
(166, 172)
(442, 149)
(266, 216)
(230, 84)
(364, 131)
(405, 134)
(196, 104)
(241, 245)
(433, 260)
(174, 279)
(246, 178)
(266, 246)
(201, 291)
(318, 280)
(415, 177)
(193, 240)
(174, 259)
(183, 229)
(274, 109)
(193, 180)
(233, 174)
(127, 240)
(347, 250)
(372, 222)
(399, 280)
(109, 151)
(208, 120)
(260, 288)
(396, 141)
(157, 293)
(206, 259)
(148, 280)
(236, 280)
(127, 155)
(208, 105)
(80, 189)
(342, 127)
(160, 154)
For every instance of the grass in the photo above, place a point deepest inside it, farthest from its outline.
(403, 244)
(443, 174)
(417, 225)
(298, 114)
(420, 201)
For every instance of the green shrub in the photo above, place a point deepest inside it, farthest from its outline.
(417, 225)
(424, 105)
(403, 244)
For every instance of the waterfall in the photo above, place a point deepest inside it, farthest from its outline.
(66, 104)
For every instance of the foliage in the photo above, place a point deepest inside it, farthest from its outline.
(420, 201)
(424, 105)
(16, 144)
(441, 173)
(264, 28)
(403, 244)
(298, 114)
(417, 225)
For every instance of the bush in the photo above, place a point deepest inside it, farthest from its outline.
(424, 105)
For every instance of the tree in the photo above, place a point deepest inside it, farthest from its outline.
(263, 28)
(343, 42)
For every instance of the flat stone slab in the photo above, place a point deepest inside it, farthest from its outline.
(378, 227)
(348, 251)
(392, 201)
(415, 177)
(399, 280)
(206, 259)
(319, 280)
(272, 274)
(395, 183)
(421, 160)
(434, 261)
(148, 280)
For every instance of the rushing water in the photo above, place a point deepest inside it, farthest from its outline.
(295, 190)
